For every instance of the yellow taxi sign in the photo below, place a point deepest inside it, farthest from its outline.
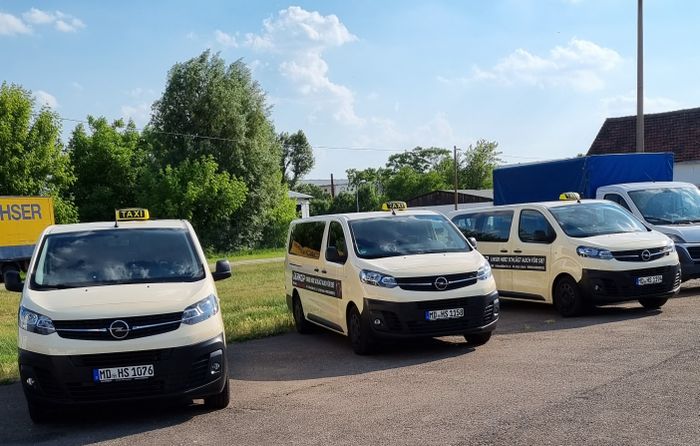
(570, 196)
(132, 214)
(394, 206)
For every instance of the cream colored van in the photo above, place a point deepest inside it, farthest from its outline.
(573, 254)
(120, 311)
(393, 274)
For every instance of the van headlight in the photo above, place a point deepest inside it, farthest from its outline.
(377, 279)
(35, 322)
(594, 253)
(200, 311)
(669, 248)
(484, 271)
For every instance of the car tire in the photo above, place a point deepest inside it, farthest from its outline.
(359, 333)
(567, 297)
(300, 323)
(39, 414)
(653, 303)
(475, 340)
(220, 400)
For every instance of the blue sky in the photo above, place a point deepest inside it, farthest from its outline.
(537, 76)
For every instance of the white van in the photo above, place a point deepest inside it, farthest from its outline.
(393, 274)
(120, 311)
(573, 254)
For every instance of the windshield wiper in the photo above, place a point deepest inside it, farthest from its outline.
(59, 286)
(658, 220)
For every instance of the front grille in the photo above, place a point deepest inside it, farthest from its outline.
(626, 283)
(428, 283)
(637, 255)
(199, 372)
(115, 390)
(98, 329)
(103, 360)
(392, 320)
(48, 383)
(475, 315)
(694, 252)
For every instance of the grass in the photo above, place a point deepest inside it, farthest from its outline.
(252, 254)
(252, 302)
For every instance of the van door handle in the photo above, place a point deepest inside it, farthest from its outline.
(315, 270)
(504, 250)
(517, 251)
(324, 271)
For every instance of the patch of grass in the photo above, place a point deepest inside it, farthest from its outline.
(252, 254)
(252, 303)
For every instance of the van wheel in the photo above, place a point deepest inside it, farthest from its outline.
(653, 303)
(37, 413)
(567, 297)
(220, 400)
(300, 323)
(359, 333)
(478, 339)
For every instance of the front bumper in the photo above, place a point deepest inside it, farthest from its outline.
(690, 268)
(619, 286)
(180, 372)
(408, 320)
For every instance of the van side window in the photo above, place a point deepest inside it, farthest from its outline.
(305, 239)
(336, 249)
(491, 226)
(617, 199)
(534, 228)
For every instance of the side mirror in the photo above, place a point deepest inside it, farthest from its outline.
(223, 270)
(472, 241)
(13, 282)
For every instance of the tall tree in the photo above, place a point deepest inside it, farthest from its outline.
(297, 157)
(32, 159)
(479, 162)
(107, 164)
(420, 159)
(211, 109)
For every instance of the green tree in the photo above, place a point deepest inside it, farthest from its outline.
(197, 191)
(420, 159)
(32, 159)
(297, 157)
(479, 162)
(107, 164)
(320, 203)
(406, 183)
(205, 97)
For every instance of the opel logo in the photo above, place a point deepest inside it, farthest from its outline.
(646, 255)
(119, 329)
(441, 283)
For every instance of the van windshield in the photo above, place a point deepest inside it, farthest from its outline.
(400, 235)
(118, 256)
(673, 205)
(591, 219)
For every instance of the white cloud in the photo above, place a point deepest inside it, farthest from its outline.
(11, 25)
(225, 40)
(580, 64)
(139, 113)
(45, 99)
(626, 105)
(61, 21)
(301, 37)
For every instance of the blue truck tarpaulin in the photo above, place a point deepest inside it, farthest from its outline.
(545, 181)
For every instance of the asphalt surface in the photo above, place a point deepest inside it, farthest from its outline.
(619, 376)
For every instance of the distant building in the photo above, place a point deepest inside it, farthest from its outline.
(677, 131)
(341, 185)
(302, 203)
(447, 197)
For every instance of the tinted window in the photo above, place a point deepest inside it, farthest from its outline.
(306, 239)
(92, 258)
(589, 219)
(534, 228)
(615, 198)
(336, 248)
(493, 226)
(399, 235)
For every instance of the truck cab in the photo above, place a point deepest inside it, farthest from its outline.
(670, 207)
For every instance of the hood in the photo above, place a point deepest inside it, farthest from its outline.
(626, 241)
(425, 264)
(690, 233)
(116, 300)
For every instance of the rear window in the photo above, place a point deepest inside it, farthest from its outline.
(306, 238)
(118, 256)
(492, 226)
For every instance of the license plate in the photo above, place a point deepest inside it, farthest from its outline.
(452, 313)
(649, 280)
(122, 373)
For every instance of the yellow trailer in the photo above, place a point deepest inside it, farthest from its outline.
(22, 220)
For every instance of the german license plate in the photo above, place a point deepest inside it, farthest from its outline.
(649, 280)
(452, 313)
(122, 373)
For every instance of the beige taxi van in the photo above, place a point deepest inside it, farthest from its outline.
(573, 253)
(388, 274)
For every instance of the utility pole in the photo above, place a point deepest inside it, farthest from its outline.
(456, 198)
(640, 79)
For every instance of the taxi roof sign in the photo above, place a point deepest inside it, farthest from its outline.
(394, 206)
(570, 196)
(132, 214)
